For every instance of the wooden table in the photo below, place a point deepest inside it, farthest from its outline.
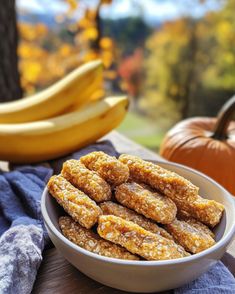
(56, 275)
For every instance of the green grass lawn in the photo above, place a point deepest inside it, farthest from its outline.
(142, 130)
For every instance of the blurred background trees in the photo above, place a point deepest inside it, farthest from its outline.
(195, 65)
(173, 67)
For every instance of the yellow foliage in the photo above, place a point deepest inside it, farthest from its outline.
(65, 50)
(44, 57)
(229, 58)
(225, 31)
(90, 33)
(91, 14)
(90, 55)
(31, 32)
(107, 58)
(84, 23)
(27, 31)
(73, 4)
(28, 50)
(106, 43)
(30, 70)
(41, 29)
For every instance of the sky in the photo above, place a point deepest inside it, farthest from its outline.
(150, 10)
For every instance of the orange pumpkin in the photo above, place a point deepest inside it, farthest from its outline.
(206, 144)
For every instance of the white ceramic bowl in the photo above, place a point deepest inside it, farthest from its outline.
(147, 276)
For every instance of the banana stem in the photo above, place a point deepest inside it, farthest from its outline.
(223, 119)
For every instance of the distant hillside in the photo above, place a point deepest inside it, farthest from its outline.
(131, 31)
(47, 19)
(134, 35)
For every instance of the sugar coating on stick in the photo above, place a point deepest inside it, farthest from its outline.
(108, 167)
(195, 223)
(86, 180)
(206, 211)
(167, 182)
(77, 204)
(112, 208)
(181, 191)
(91, 241)
(203, 211)
(152, 205)
(188, 236)
(138, 240)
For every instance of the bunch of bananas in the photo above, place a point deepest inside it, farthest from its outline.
(59, 120)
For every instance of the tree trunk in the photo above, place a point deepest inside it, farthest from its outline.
(9, 76)
(188, 88)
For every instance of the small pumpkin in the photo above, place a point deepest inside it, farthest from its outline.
(206, 144)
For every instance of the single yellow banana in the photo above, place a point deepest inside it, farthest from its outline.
(49, 139)
(91, 94)
(55, 99)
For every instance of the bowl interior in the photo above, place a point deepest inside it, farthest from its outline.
(207, 188)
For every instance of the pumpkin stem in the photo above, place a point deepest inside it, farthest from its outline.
(223, 119)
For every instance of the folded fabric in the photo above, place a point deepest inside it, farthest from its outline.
(218, 280)
(23, 235)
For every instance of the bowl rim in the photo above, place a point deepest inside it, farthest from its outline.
(220, 244)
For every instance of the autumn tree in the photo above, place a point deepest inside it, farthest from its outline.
(131, 72)
(190, 67)
(221, 29)
(170, 68)
(46, 56)
(9, 77)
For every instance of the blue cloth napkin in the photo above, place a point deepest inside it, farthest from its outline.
(23, 236)
(22, 232)
(218, 280)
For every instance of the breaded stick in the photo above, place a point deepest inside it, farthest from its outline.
(206, 211)
(90, 241)
(195, 223)
(77, 204)
(192, 239)
(108, 167)
(167, 182)
(201, 210)
(138, 240)
(86, 180)
(111, 208)
(180, 190)
(152, 205)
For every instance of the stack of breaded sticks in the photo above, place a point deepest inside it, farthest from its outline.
(128, 208)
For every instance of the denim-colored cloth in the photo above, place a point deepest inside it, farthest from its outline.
(217, 280)
(22, 233)
(23, 236)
